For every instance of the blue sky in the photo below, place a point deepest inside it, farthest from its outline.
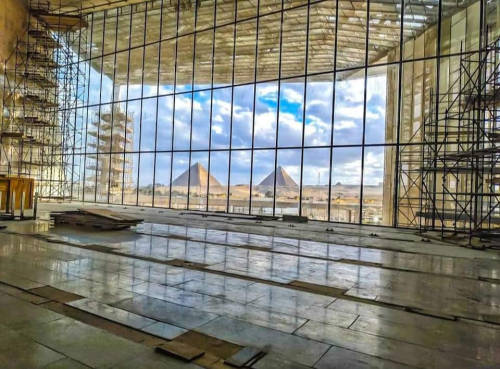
(348, 123)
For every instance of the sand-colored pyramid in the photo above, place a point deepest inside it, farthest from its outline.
(197, 175)
(283, 179)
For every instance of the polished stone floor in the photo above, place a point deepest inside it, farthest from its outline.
(350, 297)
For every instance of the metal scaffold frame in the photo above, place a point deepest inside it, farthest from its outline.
(39, 90)
(453, 178)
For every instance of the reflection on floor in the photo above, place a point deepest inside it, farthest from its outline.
(357, 297)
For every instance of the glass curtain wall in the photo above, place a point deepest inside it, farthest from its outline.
(266, 107)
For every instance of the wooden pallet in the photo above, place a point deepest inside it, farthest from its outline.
(101, 219)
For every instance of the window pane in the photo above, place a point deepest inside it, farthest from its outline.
(293, 53)
(146, 180)
(201, 120)
(321, 37)
(134, 130)
(287, 179)
(223, 57)
(242, 116)
(381, 105)
(373, 183)
(205, 14)
(130, 178)
(291, 113)
(385, 26)
(239, 191)
(116, 178)
(245, 52)
(349, 102)
(221, 118)
(169, 19)
(180, 172)
(150, 83)
(219, 170)
(346, 184)
(182, 122)
(167, 67)
(316, 174)
(351, 33)
(162, 179)
(184, 63)
(148, 124)
(198, 181)
(263, 187)
(135, 73)
(203, 63)
(268, 47)
(165, 107)
(266, 105)
(318, 125)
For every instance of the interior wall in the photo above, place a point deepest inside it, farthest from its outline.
(13, 19)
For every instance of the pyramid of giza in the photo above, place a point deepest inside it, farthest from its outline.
(283, 179)
(197, 175)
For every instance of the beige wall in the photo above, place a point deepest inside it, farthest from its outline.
(418, 81)
(13, 17)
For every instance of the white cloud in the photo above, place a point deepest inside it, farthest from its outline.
(344, 124)
(267, 92)
(292, 96)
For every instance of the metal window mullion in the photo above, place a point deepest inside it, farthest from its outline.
(211, 104)
(192, 105)
(232, 101)
(112, 108)
(76, 115)
(334, 92)
(438, 67)
(360, 220)
(87, 109)
(173, 104)
(395, 204)
(157, 106)
(253, 109)
(126, 103)
(142, 104)
(282, 11)
(304, 108)
(99, 110)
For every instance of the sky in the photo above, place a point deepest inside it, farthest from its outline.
(316, 124)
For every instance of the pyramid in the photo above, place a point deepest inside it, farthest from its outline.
(196, 176)
(283, 179)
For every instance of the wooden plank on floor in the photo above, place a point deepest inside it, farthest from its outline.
(180, 350)
(55, 294)
(317, 288)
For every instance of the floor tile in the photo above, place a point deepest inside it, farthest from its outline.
(298, 349)
(164, 330)
(112, 313)
(181, 316)
(86, 344)
(339, 358)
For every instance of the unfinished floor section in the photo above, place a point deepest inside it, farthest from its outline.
(297, 294)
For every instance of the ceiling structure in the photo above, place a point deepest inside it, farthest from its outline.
(384, 36)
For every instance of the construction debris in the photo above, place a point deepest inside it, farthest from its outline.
(95, 218)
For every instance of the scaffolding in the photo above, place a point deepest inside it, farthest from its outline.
(459, 172)
(111, 131)
(38, 93)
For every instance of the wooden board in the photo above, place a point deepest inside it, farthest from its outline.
(180, 350)
(111, 215)
(16, 186)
